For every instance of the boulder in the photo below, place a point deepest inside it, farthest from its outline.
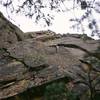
(9, 33)
(29, 35)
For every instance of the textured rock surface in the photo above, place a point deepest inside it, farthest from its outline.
(44, 63)
(37, 61)
(9, 33)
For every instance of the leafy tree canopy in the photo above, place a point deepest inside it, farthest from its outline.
(44, 10)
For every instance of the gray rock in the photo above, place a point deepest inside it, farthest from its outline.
(38, 61)
(9, 33)
(59, 64)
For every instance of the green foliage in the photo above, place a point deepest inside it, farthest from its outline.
(58, 91)
(85, 37)
(98, 49)
(91, 77)
(94, 61)
(97, 96)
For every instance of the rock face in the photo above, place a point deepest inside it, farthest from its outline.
(9, 33)
(39, 60)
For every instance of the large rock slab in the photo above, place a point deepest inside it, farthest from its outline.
(32, 63)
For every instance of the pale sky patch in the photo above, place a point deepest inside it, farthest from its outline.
(61, 23)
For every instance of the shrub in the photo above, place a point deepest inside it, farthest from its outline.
(58, 91)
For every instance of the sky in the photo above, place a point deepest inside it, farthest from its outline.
(61, 23)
